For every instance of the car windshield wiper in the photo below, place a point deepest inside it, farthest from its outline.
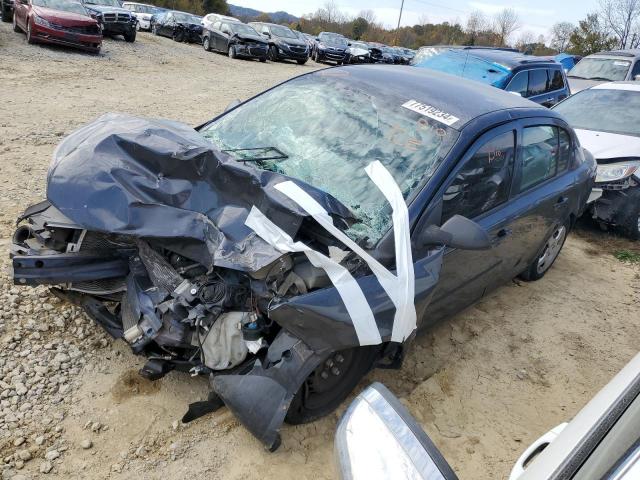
(577, 76)
(258, 154)
(600, 78)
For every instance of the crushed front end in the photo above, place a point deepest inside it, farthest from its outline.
(149, 229)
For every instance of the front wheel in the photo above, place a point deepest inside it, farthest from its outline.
(550, 252)
(273, 53)
(263, 59)
(206, 44)
(154, 29)
(178, 36)
(130, 36)
(16, 28)
(330, 383)
(29, 36)
(302, 62)
(232, 51)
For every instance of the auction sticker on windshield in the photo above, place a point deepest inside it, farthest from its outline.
(431, 112)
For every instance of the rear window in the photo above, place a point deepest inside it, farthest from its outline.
(557, 80)
(537, 82)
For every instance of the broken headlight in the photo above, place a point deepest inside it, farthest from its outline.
(616, 171)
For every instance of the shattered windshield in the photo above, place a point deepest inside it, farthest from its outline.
(328, 128)
(607, 69)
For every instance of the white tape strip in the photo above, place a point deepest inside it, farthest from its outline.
(400, 288)
(352, 296)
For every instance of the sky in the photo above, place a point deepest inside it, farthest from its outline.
(536, 17)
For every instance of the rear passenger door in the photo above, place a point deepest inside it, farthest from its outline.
(546, 86)
(544, 188)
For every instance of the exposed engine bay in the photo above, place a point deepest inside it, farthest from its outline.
(202, 265)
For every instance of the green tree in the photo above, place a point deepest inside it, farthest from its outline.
(215, 6)
(590, 37)
(359, 28)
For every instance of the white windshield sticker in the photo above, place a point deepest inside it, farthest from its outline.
(431, 112)
(622, 64)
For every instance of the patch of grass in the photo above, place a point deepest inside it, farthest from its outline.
(627, 256)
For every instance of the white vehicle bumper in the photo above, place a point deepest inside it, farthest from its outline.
(144, 24)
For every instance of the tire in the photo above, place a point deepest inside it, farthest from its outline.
(30, 39)
(631, 222)
(302, 62)
(273, 53)
(320, 396)
(178, 36)
(7, 16)
(263, 59)
(552, 247)
(130, 36)
(232, 52)
(154, 29)
(16, 28)
(206, 44)
(316, 57)
(138, 27)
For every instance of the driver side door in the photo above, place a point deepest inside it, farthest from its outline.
(478, 188)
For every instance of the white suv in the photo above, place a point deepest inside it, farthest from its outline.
(208, 20)
(143, 13)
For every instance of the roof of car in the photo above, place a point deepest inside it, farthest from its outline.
(270, 24)
(635, 52)
(628, 85)
(509, 58)
(462, 98)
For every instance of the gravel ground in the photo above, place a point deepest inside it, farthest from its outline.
(483, 385)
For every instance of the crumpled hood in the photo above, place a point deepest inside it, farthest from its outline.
(356, 52)
(577, 84)
(106, 9)
(191, 26)
(163, 180)
(66, 19)
(251, 38)
(605, 145)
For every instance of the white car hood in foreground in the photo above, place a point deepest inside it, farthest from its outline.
(609, 145)
(356, 52)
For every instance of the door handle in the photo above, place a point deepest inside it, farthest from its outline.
(501, 235)
(561, 201)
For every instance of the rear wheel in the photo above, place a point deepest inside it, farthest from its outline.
(550, 252)
(6, 15)
(273, 53)
(329, 384)
(178, 36)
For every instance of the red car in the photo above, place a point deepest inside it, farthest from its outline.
(62, 22)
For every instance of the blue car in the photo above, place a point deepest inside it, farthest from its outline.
(539, 79)
(301, 238)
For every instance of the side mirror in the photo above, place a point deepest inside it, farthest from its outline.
(232, 105)
(267, 34)
(317, 39)
(377, 437)
(636, 78)
(457, 232)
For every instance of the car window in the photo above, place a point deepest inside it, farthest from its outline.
(483, 182)
(539, 155)
(557, 80)
(519, 83)
(636, 70)
(216, 26)
(224, 28)
(564, 149)
(537, 82)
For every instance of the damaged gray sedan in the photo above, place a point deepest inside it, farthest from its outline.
(301, 238)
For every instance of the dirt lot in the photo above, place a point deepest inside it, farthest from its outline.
(483, 384)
